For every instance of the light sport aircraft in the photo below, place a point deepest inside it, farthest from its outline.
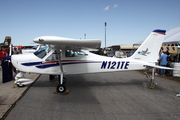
(65, 56)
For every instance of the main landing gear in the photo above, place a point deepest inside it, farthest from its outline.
(52, 78)
(61, 88)
(150, 81)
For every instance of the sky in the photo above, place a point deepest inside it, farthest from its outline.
(128, 21)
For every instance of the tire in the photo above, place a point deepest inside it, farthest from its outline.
(61, 88)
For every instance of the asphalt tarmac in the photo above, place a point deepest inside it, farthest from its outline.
(9, 94)
(102, 96)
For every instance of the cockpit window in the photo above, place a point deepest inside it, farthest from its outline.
(54, 56)
(42, 52)
(71, 53)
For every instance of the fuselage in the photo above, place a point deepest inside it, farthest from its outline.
(46, 62)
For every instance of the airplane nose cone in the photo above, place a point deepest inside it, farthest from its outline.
(17, 61)
(14, 60)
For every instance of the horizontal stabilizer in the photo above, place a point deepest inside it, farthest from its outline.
(159, 67)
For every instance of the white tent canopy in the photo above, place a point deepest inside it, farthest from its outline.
(172, 37)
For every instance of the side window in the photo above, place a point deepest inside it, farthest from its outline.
(71, 53)
(53, 56)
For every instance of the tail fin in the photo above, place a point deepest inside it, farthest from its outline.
(149, 49)
(7, 41)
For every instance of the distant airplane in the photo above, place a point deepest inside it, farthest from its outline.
(66, 56)
(6, 42)
(33, 49)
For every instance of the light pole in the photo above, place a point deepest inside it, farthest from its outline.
(84, 35)
(105, 34)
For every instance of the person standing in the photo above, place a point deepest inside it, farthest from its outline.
(105, 52)
(15, 51)
(163, 60)
(19, 51)
(2, 55)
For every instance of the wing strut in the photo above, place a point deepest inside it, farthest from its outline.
(60, 88)
(61, 68)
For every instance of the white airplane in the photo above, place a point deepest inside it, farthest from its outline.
(64, 56)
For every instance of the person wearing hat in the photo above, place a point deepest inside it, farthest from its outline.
(163, 60)
(15, 51)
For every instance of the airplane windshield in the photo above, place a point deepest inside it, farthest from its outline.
(35, 47)
(42, 52)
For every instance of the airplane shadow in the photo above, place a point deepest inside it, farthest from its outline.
(83, 80)
(85, 88)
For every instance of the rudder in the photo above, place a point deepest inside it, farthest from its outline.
(149, 49)
(7, 40)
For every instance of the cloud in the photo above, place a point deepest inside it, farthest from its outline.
(107, 8)
(116, 5)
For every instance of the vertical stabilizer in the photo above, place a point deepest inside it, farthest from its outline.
(149, 49)
(7, 40)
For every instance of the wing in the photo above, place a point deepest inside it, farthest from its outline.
(61, 41)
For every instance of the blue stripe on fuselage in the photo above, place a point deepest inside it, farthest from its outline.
(31, 63)
(104, 65)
